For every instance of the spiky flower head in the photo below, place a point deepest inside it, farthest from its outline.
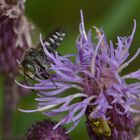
(105, 97)
(14, 34)
(43, 130)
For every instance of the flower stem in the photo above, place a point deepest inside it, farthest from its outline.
(9, 104)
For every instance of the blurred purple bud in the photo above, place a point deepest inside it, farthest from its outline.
(43, 130)
(14, 35)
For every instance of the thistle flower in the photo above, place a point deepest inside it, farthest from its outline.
(43, 130)
(14, 34)
(14, 39)
(106, 98)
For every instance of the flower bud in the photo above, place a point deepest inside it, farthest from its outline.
(43, 130)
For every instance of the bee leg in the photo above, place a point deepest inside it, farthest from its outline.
(26, 81)
(25, 74)
(49, 77)
(45, 75)
(53, 82)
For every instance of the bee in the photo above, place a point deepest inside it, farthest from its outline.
(35, 63)
(100, 127)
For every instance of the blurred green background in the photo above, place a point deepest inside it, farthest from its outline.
(116, 18)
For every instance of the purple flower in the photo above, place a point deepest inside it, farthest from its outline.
(96, 74)
(14, 35)
(14, 40)
(43, 130)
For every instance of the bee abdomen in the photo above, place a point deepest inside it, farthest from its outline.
(55, 38)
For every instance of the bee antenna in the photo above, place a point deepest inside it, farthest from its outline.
(53, 82)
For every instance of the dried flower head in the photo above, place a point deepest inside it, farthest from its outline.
(105, 96)
(43, 130)
(14, 34)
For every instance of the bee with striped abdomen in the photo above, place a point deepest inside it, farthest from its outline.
(35, 63)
